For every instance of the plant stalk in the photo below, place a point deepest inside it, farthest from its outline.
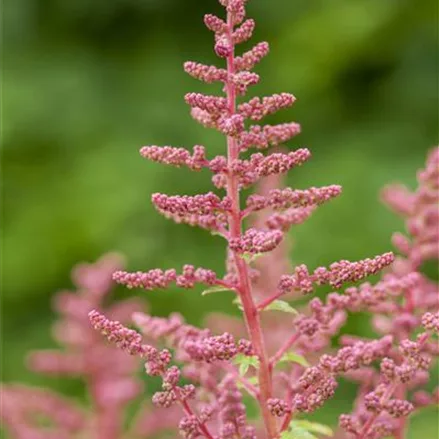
(251, 314)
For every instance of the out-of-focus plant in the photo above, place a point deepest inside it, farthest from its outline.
(109, 375)
(400, 305)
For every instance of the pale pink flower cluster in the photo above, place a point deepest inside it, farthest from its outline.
(109, 375)
(175, 156)
(256, 241)
(280, 199)
(337, 274)
(257, 166)
(156, 278)
(183, 205)
(404, 301)
(268, 135)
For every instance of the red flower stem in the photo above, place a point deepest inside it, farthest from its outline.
(284, 348)
(369, 424)
(422, 340)
(251, 315)
(187, 409)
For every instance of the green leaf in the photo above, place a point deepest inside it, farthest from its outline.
(313, 427)
(297, 432)
(293, 357)
(245, 362)
(281, 305)
(215, 289)
(250, 257)
(237, 301)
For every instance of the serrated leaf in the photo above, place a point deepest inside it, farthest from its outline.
(245, 361)
(314, 427)
(281, 305)
(215, 289)
(293, 357)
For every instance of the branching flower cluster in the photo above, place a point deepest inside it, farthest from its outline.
(233, 365)
(109, 374)
(279, 355)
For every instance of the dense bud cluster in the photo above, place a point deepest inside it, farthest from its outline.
(110, 375)
(204, 372)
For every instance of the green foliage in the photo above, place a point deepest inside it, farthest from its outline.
(215, 289)
(313, 427)
(281, 305)
(251, 257)
(302, 429)
(245, 361)
(293, 357)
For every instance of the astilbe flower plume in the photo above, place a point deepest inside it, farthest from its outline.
(109, 375)
(221, 366)
(404, 305)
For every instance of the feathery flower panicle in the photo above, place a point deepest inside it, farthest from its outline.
(403, 302)
(256, 241)
(337, 274)
(262, 137)
(221, 366)
(159, 279)
(169, 155)
(257, 108)
(186, 205)
(109, 375)
(280, 199)
(205, 73)
(254, 56)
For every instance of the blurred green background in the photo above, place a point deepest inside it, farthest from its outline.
(87, 82)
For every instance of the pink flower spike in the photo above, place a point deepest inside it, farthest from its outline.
(243, 80)
(337, 274)
(158, 279)
(262, 137)
(278, 163)
(279, 199)
(214, 105)
(183, 205)
(169, 155)
(231, 126)
(249, 59)
(256, 241)
(277, 134)
(257, 109)
(150, 280)
(213, 222)
(216, 348)
(399, 198)
(205, 73)
(204, 118)
(283, 221)
(215, 24)
(244, 32)
(124, 338)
